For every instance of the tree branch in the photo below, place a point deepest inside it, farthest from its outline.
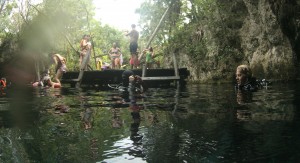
(2, 6)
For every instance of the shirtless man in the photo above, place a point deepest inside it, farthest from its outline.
(134, 36)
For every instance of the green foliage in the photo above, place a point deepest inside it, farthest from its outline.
(55, 26)
(106, 36)
(6, 10)
(204, 30)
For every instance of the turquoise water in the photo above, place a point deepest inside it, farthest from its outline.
(197, 123)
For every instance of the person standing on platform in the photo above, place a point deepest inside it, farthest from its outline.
(114, 54)
(60, 66)
(85, 46)
(134, 36)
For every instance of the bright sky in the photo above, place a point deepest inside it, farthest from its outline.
(117, 13)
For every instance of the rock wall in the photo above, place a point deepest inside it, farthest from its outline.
(266, 47)
(264, 34)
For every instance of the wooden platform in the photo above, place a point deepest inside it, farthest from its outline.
(154, 77)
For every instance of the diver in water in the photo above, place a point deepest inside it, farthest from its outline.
(125, 77)
(133, 82)
(131, 95)
(245, 80)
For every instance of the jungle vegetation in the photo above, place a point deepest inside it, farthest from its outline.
(37, 29)
(212, 35)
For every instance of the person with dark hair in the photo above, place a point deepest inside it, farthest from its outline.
(114, 54)
(134, 36)
(125, 77)
(149, 57)
(133, 82)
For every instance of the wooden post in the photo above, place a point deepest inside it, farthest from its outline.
(144, 70)
(176, 97)
(83, 67)
(175, 77)
(37, 70)
(155, 31)
(175, 66)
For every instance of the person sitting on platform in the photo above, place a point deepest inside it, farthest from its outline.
(149, 57)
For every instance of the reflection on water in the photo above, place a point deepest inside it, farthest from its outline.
(198, 123)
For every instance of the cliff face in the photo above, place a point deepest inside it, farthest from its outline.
(265, 41)
(264, 34)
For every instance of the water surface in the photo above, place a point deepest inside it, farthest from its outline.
(197, 123)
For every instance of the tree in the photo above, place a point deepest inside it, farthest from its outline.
(54, 26)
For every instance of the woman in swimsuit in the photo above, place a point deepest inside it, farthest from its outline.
(60, 68)
(114, 54)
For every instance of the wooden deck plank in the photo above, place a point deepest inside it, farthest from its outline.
(161, 78)
(154, 77)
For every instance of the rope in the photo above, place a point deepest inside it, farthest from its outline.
(115, 87)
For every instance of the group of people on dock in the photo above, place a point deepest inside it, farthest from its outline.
(116, 55)
(85, 48)
(244, 78)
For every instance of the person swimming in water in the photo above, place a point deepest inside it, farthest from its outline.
(244, 79)
(133, 82)
(46, 82)
(2, 86)
(49, 83)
